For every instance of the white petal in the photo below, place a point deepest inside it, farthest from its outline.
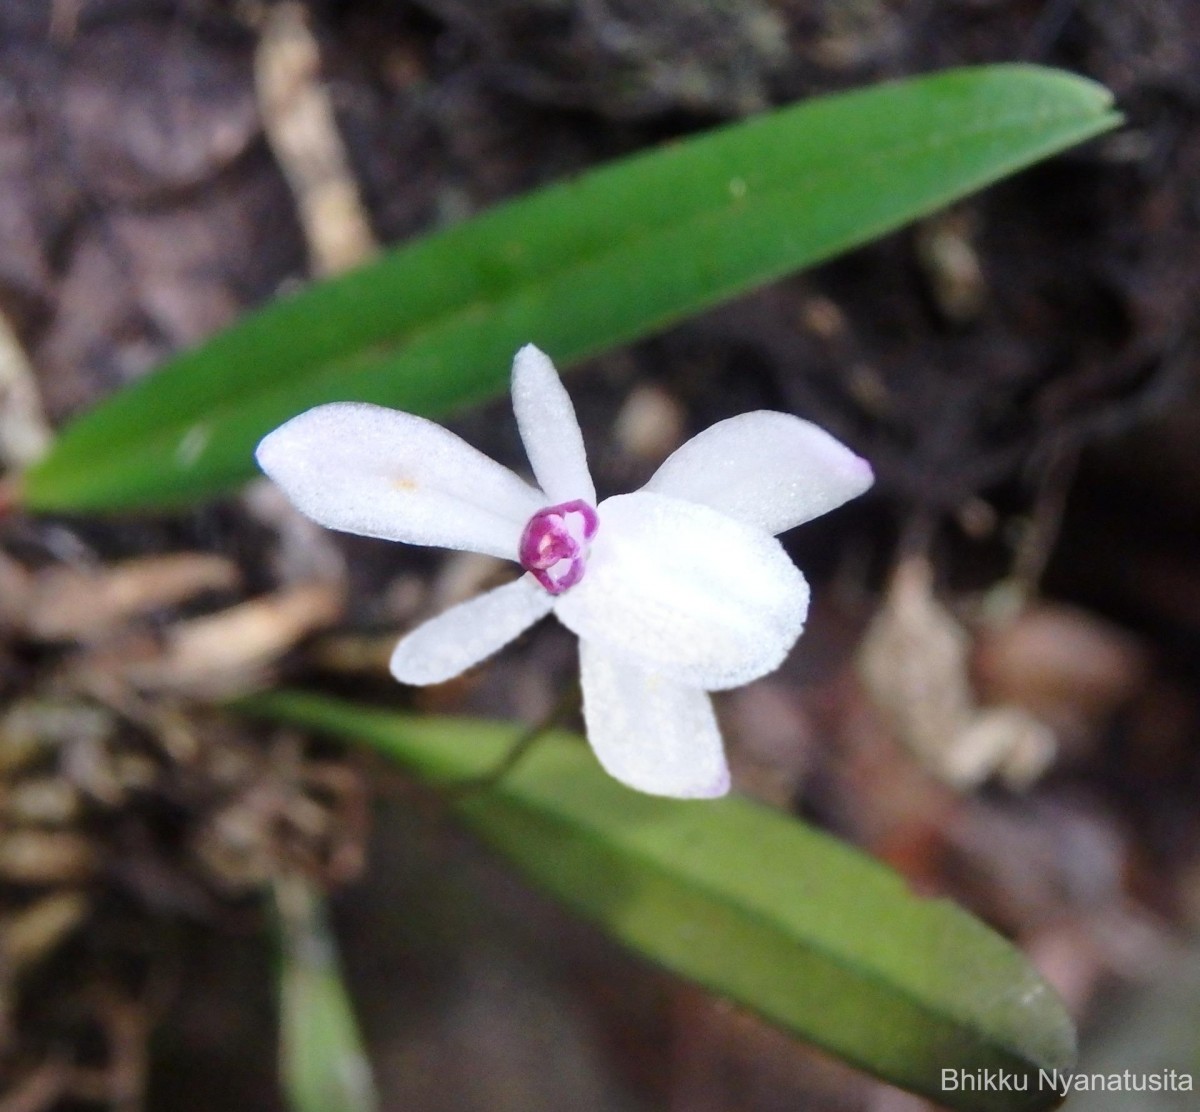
(381, 473)
(687, 591)
(549, 429)
(770, 470)
(649, 732)
(449, 644)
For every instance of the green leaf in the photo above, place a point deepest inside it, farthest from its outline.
(787, 921)
(321, 1060)
(576, 268)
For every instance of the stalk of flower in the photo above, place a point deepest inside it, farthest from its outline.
(675, 590)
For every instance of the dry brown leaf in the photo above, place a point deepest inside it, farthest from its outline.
(231, 652)
(1061, 663)
(43, 857)
(1005, 740)
(915, 665)
(28, 935)
(40, 801)
(72, 604)
(32, 728)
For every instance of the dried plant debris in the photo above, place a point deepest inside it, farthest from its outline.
(915, 661)
(67, 604)
(298, 117)
(120, 626)
(24, 434)
(1071, 668)
(217, 656)
(126, 805)
(627, 59)
(103, 826)
(948, 256)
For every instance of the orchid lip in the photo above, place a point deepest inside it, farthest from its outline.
(554, 545)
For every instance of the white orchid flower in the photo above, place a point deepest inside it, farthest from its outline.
(675, 590)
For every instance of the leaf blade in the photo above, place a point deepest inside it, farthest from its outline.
(322, 1063)
(753, 905)
(577, 267)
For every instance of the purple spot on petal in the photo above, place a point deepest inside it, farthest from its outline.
(554, 544)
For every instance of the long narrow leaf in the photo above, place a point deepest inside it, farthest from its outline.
(788, 922)
(322, 1063)
(577, 268)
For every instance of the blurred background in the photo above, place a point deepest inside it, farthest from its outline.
(997, 692)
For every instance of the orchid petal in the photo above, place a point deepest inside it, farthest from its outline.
(770, 470)
(549, 429)
(649, 732)
(449, 644)
(687, 591)
(380, 473)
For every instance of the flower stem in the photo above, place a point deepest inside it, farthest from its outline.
(568, 702)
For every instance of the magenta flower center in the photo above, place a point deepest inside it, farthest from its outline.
(554, 546)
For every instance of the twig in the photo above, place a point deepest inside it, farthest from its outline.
(1037, 544)
(569, 701)
(302, 130)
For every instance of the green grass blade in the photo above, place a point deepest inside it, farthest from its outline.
(788, 922)
(577, 268)
(321, 1060)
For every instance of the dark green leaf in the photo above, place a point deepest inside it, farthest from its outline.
(576, 268)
